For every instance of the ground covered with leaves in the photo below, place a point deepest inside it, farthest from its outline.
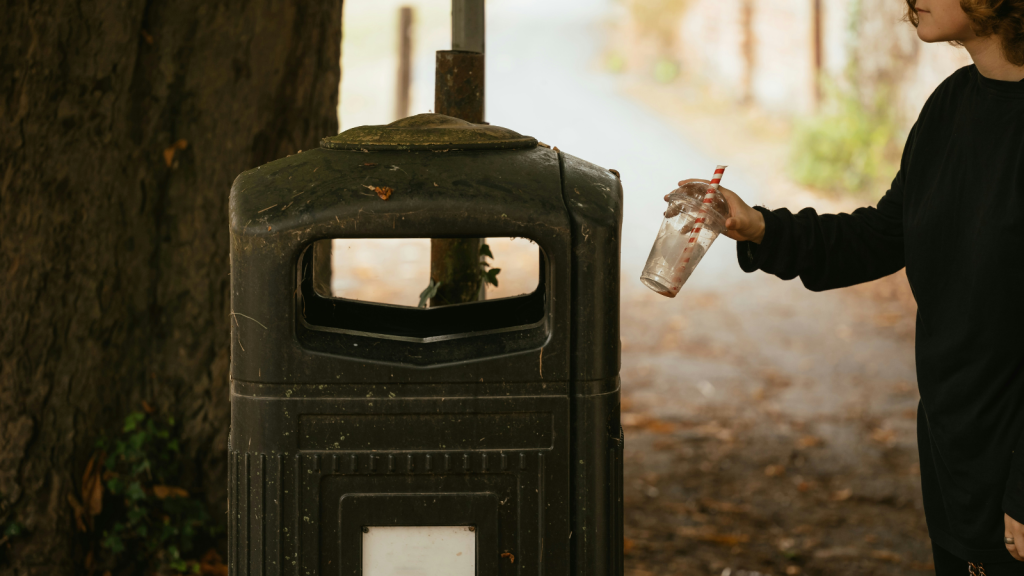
(770, 434)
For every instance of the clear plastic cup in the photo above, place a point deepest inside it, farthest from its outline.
(665, 272)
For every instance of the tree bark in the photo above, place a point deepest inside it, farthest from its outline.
(114, 239)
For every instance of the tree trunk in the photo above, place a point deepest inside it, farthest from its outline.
(121, 129)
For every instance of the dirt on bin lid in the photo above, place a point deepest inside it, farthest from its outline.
(694, 191)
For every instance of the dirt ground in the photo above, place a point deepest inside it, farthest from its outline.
(751, 471)
(769, 430)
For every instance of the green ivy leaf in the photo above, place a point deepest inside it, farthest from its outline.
(428, 293)
(112, 542)
(13, 529)
(136, 514)
(115, 485)
(136, 441)
(485, 250)
(491, 276)
(133, 420)
(141, 466)
(135, 491)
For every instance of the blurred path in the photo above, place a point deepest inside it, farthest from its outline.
(544, 79)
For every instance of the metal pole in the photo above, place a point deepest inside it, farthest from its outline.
(468, 25)
(747, 24)
(459, 76)
(819, 49)
(459, 92)
(404, 61)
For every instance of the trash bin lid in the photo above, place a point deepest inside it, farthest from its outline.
(428, 132)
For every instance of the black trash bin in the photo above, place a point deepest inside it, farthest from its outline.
(498, 418)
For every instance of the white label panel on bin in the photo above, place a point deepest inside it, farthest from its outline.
(419, 551)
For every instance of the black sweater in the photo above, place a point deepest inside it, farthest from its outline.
(954, 217)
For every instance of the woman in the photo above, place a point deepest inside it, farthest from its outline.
(954, 217)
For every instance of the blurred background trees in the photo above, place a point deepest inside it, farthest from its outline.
(850, 76)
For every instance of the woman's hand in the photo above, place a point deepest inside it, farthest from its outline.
(744, 223)
(1015, 530)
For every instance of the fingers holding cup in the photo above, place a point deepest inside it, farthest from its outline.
(1013, 537)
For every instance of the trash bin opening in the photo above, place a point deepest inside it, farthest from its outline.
(320, 308)
(397, 271)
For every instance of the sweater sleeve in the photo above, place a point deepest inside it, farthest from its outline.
(1013, 494)
(833, 250)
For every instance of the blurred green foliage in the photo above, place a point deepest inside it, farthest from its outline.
(665, 70)
(658, 19)
(148, 520)
(615, 63)
(848, 147)
(488, 276)
(9, 530)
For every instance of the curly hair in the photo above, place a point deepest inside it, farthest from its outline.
(1004, 18)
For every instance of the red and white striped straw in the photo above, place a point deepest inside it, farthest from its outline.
(698, 224)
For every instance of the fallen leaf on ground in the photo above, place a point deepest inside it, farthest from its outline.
(660, 427)
(633, 419)
(883, 435)
(727, 507)
(211, 564)
(79, 511)
(837, 552)
(163, 492)
(665, 444)
(705, 535)
(715, 430)
(92, 485)
(886, 555)
(774, 470)
(648, 423)
(627, 545)
(841, 495)
(809, 441)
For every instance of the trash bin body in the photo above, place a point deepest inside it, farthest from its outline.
(501, 415)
